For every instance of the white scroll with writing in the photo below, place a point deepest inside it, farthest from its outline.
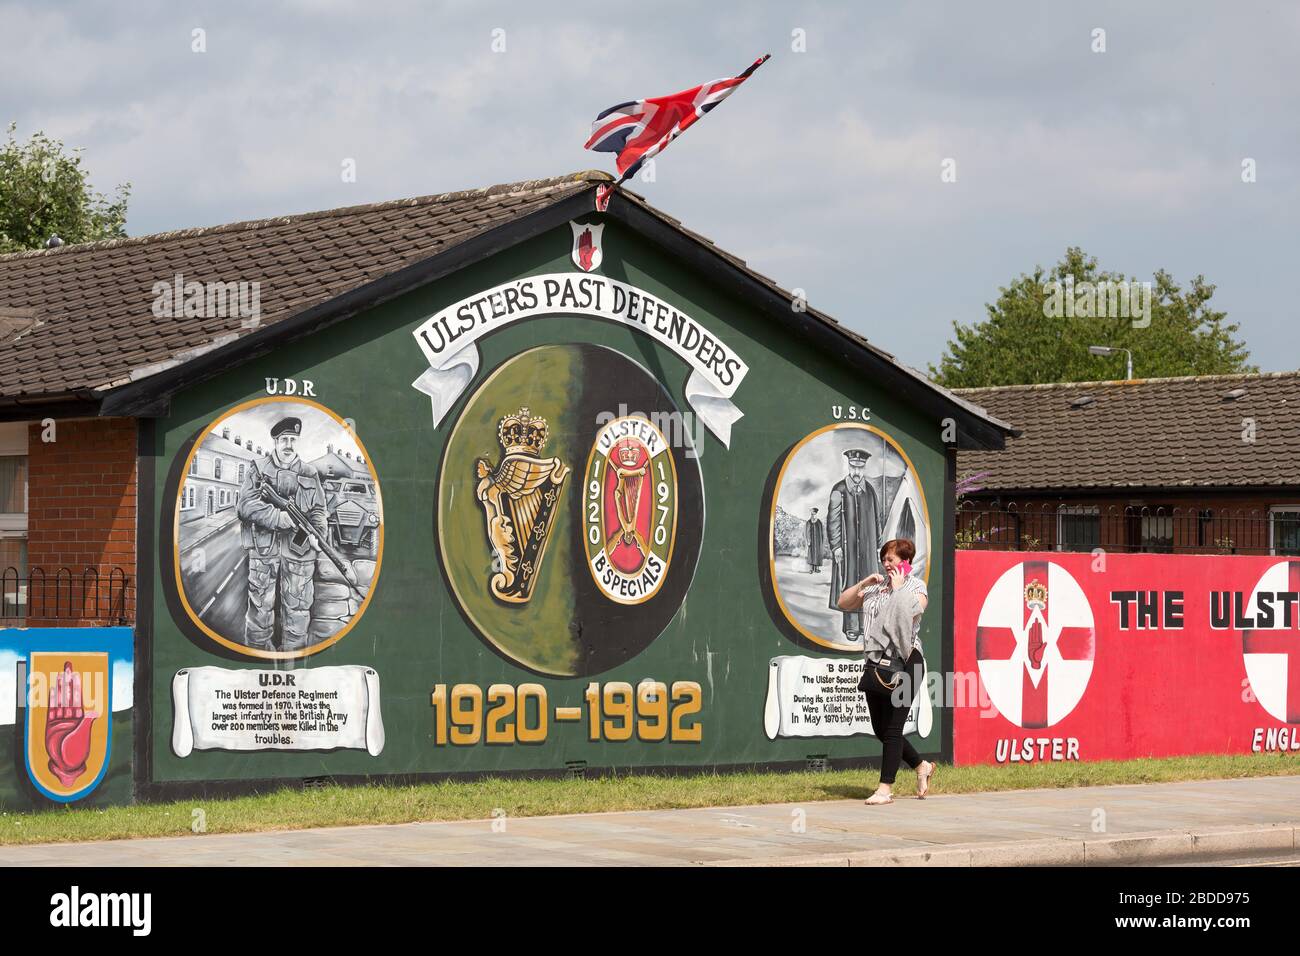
(320, 708)
(448, 338)
(818, 697)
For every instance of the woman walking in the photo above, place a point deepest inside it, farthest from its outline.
(892, 604)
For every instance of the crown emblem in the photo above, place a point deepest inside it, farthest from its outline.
(1036, 595)
(522, 434)
(629, 453)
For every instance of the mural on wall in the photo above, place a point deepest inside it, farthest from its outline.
(68, 693)
(278, 529)
(448, 339)
(554, 508)
(587, 253)
(1034, 641)
(519, 497)
(838, 495)
(1120, 656)
(630, 509)
(565, 572)
(841, 492)
(67, 712)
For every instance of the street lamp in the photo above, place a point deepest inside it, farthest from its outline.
(1111, 350)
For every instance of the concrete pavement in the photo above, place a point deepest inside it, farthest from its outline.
(1080, 826)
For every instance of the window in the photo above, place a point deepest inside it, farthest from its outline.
(1158, 533)
(1284, 529)
(216, 467)
(1078, 528)
(13, 492)
(194, 465)
(241, 474)
(13, 522)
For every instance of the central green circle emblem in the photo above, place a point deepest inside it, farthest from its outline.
(570, 509)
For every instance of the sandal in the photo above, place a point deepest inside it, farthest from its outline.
(876, 799)
(923, 779)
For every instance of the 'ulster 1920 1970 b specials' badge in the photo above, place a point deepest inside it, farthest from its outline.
(630, 509)
(520, 497)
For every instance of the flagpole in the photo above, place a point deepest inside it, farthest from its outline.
(604, 197)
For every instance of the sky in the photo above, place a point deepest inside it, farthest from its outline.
(823, 172)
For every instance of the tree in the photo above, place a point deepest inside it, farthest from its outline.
(45, 192)
(1041, 326)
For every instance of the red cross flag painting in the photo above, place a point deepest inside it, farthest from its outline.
(642, 129)
(1097, 656)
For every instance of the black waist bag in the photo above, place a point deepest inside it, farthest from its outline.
(883, 673)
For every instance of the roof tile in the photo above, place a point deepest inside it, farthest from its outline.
(1149, 433)
(96, 299)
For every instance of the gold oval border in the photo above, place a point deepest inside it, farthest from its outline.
(176, 553)
(672, 541)
(771, 522)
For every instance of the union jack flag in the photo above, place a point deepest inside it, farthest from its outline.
(642, 129)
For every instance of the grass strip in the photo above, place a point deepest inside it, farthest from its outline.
(332, 806)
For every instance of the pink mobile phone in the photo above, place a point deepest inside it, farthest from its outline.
(905, 567)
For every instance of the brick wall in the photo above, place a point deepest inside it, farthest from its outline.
(81, 517)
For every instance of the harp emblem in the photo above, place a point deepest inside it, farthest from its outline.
(520, 498)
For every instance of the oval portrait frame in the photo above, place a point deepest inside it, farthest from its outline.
(771, 524)
(174, 493)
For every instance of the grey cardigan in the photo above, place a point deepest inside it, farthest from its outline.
(892, 625)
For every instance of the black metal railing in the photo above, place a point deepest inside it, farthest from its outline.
(62, 595)
(1058, 526)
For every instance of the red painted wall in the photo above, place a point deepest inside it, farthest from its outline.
(1066, 677)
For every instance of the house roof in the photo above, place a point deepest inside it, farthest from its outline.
(1204, 431)
(78, 329)
(91, 325)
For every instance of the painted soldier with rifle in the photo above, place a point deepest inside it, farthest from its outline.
(283, 528)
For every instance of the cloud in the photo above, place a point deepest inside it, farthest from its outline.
(823, 172)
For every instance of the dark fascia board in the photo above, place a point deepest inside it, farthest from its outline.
(148, 396)
(973, 432)
(80, 404)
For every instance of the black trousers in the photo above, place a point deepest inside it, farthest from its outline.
(889, 708)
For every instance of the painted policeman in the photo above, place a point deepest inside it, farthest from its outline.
(814, 539)
(854, 524)
(281, 557)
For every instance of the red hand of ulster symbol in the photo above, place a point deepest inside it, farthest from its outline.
(1036, 644)
(67, 727)
(586, 250)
